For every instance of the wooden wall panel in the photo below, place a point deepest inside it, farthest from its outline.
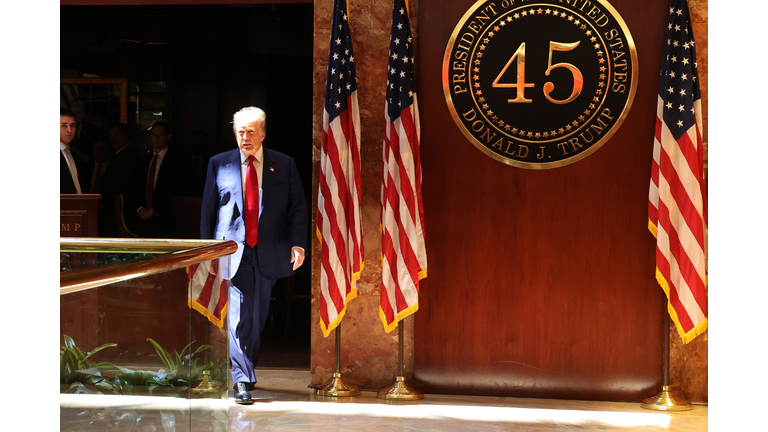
(541, 283)
(129, 312)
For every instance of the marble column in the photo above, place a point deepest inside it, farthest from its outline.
(688, 363)
(368, 354)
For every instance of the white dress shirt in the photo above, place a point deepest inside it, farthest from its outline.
(160, 156)
(71, 164)
(153, 176)
(259, 164)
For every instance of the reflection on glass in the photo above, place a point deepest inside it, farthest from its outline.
(97, 102)
(137, 352)
(154, 86)
(148, 118)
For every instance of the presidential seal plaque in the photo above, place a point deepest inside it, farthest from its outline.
(540, 84)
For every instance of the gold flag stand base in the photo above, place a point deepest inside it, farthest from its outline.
(337, 388)
(206, 385)
(666, 401)
(400, 391)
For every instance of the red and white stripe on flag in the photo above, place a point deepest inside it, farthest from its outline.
(677, 206)
(208, 291)
(404, 255)
(339, 226)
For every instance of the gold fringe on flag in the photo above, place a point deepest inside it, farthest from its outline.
(218, 322)
(690, 335)
(352, 295)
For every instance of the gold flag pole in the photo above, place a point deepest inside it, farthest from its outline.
(400, 391)
(336, 387)
(666, 400)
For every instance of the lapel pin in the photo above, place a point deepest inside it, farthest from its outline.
(271, 169)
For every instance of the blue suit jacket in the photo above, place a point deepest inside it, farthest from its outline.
(283, 219)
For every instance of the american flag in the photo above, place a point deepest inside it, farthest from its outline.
(404, 256)
(677, 207)
(208, 291)
(339, 227)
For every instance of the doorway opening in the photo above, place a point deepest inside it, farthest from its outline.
(193, 66)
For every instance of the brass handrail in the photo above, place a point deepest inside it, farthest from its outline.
(179, 255)
(129, 245)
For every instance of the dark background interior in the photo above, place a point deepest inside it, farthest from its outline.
(193, 66)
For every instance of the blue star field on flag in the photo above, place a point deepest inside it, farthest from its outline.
(679, 86)
(341, 80)
(400, 81)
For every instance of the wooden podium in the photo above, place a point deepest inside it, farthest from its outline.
(79, 215)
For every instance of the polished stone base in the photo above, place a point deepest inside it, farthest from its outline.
(284, 402)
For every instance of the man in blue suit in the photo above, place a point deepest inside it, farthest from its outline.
(255, 197)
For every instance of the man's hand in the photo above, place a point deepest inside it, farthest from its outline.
(146, 213)
(297, 257)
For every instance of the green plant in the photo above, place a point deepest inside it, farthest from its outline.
(109, 258)
(78, 369)
(128, 381)
(76, 366)
(220, 372)
(185, 359)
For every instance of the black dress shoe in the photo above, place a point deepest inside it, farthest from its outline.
(242, 396)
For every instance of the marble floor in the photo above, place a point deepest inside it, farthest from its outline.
(285, 403)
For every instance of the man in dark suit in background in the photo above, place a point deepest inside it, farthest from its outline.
(157, 177)
(254, 196)
(69, 180)
(87, 133)
(101, 153)
(121, 165)
(199, 154)
(116, 177)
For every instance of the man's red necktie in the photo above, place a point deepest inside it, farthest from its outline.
(251, 213)
(150, 183)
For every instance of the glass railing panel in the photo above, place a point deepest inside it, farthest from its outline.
(70, 261)
(147, 353)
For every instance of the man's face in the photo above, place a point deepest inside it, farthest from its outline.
(249, 137)
(67, 131)
(159, 137)
(117, 138)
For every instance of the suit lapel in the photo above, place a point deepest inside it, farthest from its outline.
(234, 169)
(164, 169)
(267, 175)
(64, 174)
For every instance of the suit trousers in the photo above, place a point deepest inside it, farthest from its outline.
(249, 297)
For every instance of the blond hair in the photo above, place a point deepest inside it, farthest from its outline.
(250, 114)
